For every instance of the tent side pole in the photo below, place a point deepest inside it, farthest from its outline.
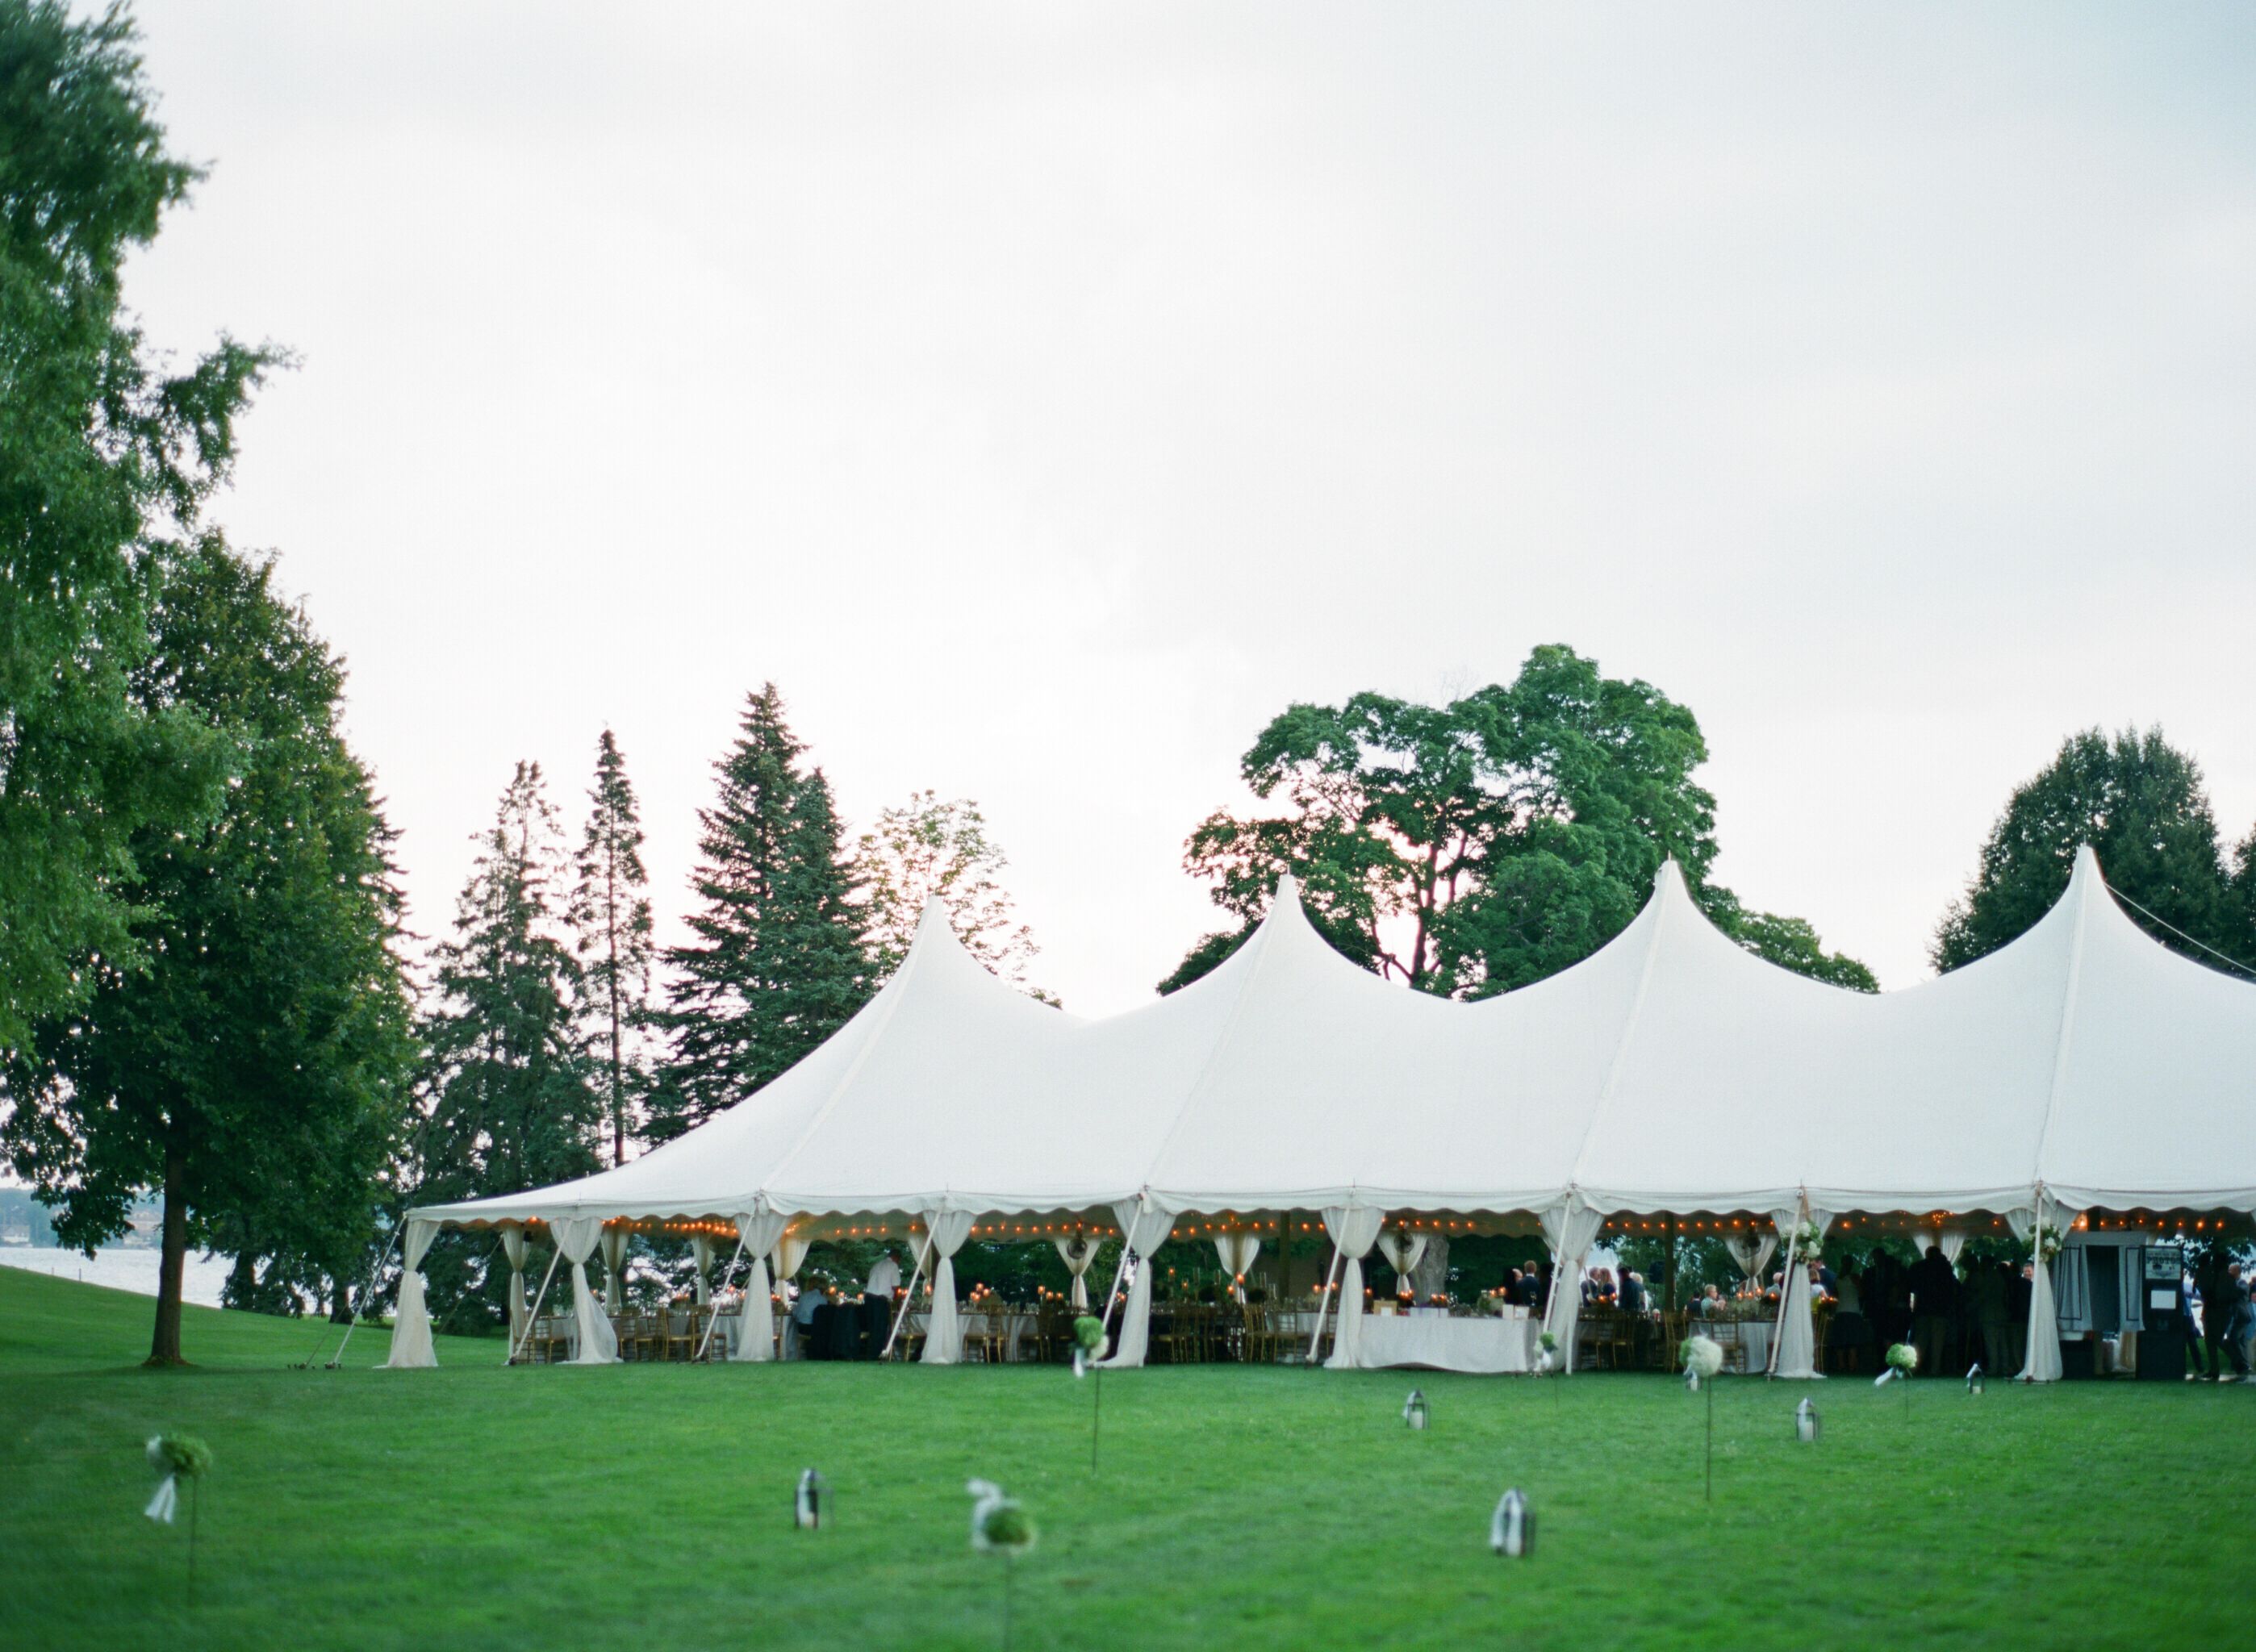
(1786, 1290)
(713, 1322)
(399, 1228)
(901, 1314)
(1324, 1306)
(539, 1298)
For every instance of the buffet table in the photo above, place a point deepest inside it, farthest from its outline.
(1433, 1340)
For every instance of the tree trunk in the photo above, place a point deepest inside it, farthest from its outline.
(164, 1346)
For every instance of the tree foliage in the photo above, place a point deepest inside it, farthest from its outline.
(1469, 848)
(611, 917)
(506, 1081)
(101, 453)
(2138, 802)
(926, 849)
(777, 962)
(253, 1062)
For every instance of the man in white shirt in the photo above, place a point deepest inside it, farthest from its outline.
(884, 1278)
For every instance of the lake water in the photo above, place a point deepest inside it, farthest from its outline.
(133, 1270)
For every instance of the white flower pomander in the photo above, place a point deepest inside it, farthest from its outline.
(1704, 1356)
(1903, 1357)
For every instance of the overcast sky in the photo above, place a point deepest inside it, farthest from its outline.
(1046, 396)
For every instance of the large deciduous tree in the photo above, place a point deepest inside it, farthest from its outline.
(929, 848)
(2138, 802)
(611, 914)
(778, 962)
(253, 1063)
(1469, 848)
(102, 454)
(506, 1079)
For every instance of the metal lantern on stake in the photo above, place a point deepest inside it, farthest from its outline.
(1414, 1409)
(1974, 1379)
(1806, 1424)
(810, 1504)
(1512, 1528)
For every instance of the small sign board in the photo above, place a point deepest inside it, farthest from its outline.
(2165, 1261)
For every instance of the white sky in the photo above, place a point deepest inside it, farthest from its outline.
(1046, 396)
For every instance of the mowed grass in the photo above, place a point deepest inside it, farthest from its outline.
(647, 1506)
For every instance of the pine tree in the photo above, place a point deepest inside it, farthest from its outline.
(506, 1076)
(611, 912)
(779, 963)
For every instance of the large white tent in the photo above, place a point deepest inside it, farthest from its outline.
(2082, 1068)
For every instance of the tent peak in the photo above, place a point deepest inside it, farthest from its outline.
(1288, 893)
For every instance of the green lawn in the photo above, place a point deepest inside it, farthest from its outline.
(645, 1506)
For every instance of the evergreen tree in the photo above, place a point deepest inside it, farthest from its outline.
(2138, 802)
(610, 913)
(255, 1068)
(102, 452)
(506, 1076)
(778, 962)
(926, 848)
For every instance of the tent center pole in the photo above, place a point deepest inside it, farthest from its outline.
(1323, 1305)
(714, 1320)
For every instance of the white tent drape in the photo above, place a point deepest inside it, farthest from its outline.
(1403, 1252)
(790, 1251)
(700, 1256)
(1077, 1252)
(1797, 1337)
(757, 1232)
(1570, 1229)
(1752, 1251)
(2051, 1217)
(513, 1247)
(576, 1238)
(411, 1325)
(1353, 1233)
(1144, 1232)
(943, 1338)
(614, 1269)
(1951, 1241)
(1238, 1252)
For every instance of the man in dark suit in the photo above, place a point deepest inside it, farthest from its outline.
(1934, 1299)
(1528, 1293)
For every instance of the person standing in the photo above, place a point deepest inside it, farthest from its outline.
(2222, 1301)
(1991, 1288)
(1933, 1294)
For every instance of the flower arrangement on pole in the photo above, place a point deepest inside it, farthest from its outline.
(1703, 1357)
(1088, 1342)
(1902, 1361)
(999, 1526)
(178, 1457)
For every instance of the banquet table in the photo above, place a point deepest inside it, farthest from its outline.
(1018, 1330)
(1434, 1340)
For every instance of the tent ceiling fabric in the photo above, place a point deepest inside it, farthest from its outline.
(1671, 1071)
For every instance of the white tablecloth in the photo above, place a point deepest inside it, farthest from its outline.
(1436, 1342)
(1753, 1335)
(1018, 1330)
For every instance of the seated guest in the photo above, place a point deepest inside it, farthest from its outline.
(798, 1338)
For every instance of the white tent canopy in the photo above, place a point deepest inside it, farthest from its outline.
(1672, 1071)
